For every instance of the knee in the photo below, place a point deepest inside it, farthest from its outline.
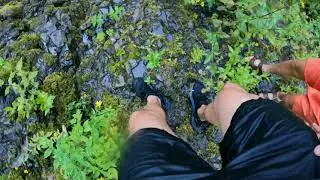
(135, 118)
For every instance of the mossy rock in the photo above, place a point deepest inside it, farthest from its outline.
(33, 23)
(26, 41)
(27, 48)
(11, 10)
(49, 59)
(61, 85)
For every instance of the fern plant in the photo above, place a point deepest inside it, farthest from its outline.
(29, 98)
(89, 151)
(43, 141)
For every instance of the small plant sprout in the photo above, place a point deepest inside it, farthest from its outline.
(98, 104)
(101, 36)
(116, 12)
(149, 80)
(110, 32)
(196, 55)
(154, 59)
(97, 20)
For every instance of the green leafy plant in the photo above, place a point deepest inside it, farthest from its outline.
(236, 70)
(91, 149)
(292, 86)
(5, 70)
(101, 37)
(154, 59)
(43, 141)
(110, 32)
(196, 54)
(200, 2)
(149, 80)
(29, 98)
(116, 12)
(271, 27)
(120, 52)
(97, 20)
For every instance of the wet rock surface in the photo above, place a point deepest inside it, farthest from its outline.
(68, 44)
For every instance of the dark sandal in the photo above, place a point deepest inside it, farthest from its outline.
(256, 67)
(271, 96)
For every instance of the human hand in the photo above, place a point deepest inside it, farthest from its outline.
(316, 128)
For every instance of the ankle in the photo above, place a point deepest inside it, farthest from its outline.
(265, 68)
(202, 113)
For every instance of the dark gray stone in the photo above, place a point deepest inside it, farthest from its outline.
(140, 70)
(85, 39)
(157, 29)
(63, 19)
(104, 11)
(48, 27)
(170, 37)
(163, 17)
(53, 50)
(104, 4)
(11, 139)
(57, 37)
(120, 82)
(107, 83)
(137, 14)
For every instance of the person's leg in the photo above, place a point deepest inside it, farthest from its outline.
(152, 150)
(152, 116)
(260, 135)
(224, 106)
(286, 69)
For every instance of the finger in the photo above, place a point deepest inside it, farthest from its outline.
(317, 150)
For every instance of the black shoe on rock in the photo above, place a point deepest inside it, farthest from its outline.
(197, 99)
(143, 90)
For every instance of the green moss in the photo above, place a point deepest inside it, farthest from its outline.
(212, 148)
(185, 130)
(34, 22)
(11, 9)
(5, 69)
(26, 41)
(61, 85)
(49, 59)
(118, 68)
(175, 48)
(133, 51)
(123, 107)
(49, 9)
(108, 44)
(27, 48)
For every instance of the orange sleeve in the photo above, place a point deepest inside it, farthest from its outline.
(312, 73)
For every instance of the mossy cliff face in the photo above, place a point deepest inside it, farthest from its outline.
(58, 39)
(61, 85)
